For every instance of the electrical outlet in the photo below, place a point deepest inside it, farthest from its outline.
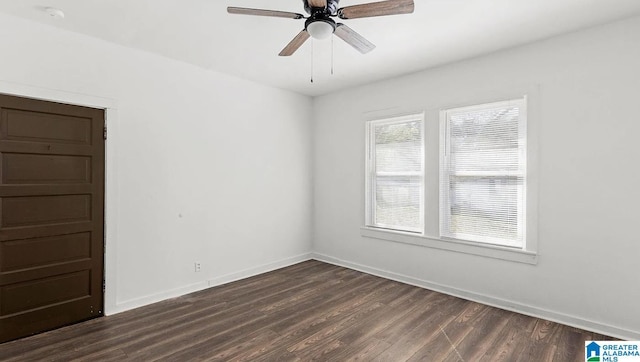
(197, 266)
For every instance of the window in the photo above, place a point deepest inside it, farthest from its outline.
(395, 174)
(483, 173)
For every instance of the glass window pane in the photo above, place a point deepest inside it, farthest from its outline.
(398, 202)
(398, 147)
(485, 140)
(395, 177)
(485, 206)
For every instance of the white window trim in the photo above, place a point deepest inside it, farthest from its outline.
(460, 246)
(430, 238)
(369, 169)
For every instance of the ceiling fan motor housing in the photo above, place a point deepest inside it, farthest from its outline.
(331, 9)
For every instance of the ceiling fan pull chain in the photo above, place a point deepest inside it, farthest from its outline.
(312, 42)
(332, 51)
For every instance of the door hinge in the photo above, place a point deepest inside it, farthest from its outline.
(104, 286)
(105, 132)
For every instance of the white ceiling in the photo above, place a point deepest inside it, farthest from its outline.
(202, 33)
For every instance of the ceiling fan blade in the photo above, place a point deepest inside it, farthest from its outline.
(262, 12)
(295, 44)
(389, 7)
(354, 39)
(318, 3)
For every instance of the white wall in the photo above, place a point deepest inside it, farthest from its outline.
(201, 166)
(588, 91)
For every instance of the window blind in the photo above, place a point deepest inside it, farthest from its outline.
(396, 174)
(483, 173)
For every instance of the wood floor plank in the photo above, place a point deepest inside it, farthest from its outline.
(306, 322)
(317, 340)
(394, 316)
(215, 338)
(510, 341)
(311, 311)
(368, 351)
(570, 347)
(484, 332)
(405, 345)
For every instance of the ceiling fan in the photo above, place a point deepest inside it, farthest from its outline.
(320, 25)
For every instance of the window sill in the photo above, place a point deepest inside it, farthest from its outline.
(489, 251)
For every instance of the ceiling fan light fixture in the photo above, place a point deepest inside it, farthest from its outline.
(320, 29)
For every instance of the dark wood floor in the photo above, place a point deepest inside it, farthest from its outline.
(309, 311)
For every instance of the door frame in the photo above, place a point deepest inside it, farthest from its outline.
(110, 182)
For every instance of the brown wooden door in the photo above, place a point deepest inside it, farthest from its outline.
(51, 215)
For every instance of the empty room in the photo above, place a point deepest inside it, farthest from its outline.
(319, 180)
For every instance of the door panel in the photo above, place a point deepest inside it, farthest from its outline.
(49, 127)
(37, 252)
(25, 296)
(38, 210)
(51, 215)
(25, 169)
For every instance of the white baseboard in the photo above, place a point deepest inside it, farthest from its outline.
(195, 287)
(264, 268)
(157, 297)
(488, 300)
